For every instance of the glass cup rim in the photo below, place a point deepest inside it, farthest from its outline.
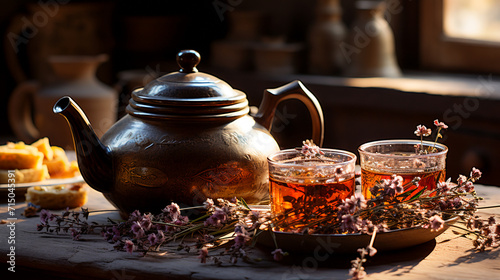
(443, 148)
(352, 156)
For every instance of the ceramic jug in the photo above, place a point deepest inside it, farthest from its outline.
(30, 105)
(369, 51)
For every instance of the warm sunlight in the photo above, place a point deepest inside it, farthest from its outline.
(476, 20)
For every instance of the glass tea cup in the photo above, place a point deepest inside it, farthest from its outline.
(381, 159)
(304, 189)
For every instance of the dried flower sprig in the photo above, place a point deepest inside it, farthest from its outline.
(69, 221)
(309, 149)
(357, 270)
(236, 227)
(422, 131)
(224, 222)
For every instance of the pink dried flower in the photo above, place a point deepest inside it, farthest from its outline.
(220, 215)
(153, 240)
(367, 227)
(111, 234)
(461, 179)
(417, 148)
(397, 184)
(440, 124)
(456, 203)
(436, 223)
(350, 205)
(173, 210)
(217, 218)
(422, 131)
(468, 187)
(278, 254)
(240, 239)
(208, 204)
(371, 251)
(357, 272)
(348, 224)
(393, 186)
(137, 230)
(496, 229)
(309, 149)
(75, 234)
(443, 187)
(473, 223)
(203, 255)
(129, 246)
(160, 237)
(146, 222)
(182, 220)
(135, 216)
(475, 174)
(45, 216)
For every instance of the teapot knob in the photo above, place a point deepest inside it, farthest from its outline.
(188, 60)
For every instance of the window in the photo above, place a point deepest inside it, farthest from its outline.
(473, 20)
(460, 35)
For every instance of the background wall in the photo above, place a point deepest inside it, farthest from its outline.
(146, 35)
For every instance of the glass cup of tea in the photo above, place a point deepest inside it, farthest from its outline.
(406, 158)
(304, 189)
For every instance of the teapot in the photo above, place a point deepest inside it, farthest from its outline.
(187, 136)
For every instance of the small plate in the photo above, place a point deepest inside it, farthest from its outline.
(21, 188)
(48, 182)
(350, 243)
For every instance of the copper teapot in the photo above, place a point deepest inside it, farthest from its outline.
(187, 136)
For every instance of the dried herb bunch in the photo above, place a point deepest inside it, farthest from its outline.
(234, 226)
(223, 223)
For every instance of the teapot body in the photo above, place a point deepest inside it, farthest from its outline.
(187, 136)
(156, 162)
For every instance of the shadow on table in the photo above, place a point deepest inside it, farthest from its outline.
(412, 254)
(474, 256)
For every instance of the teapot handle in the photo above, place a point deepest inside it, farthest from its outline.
(20, 111)
(292, 90)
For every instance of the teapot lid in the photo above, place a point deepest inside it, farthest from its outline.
(188, 94)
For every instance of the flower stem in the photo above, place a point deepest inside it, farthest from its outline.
(487, 207)
(274, 237)
(194, 207)
(435, 141)
(421, 143)
(373, 237)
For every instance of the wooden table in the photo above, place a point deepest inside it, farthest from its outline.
(52, 256)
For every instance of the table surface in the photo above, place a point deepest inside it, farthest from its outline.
(53, 256)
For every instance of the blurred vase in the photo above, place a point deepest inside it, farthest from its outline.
(30, 106)
(369, 51)
(325, 35)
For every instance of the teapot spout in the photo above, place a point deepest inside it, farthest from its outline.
(94, 159)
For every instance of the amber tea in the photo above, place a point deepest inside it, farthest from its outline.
(304, 189)
(428, 181)
(301, 201)
(381, 159)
